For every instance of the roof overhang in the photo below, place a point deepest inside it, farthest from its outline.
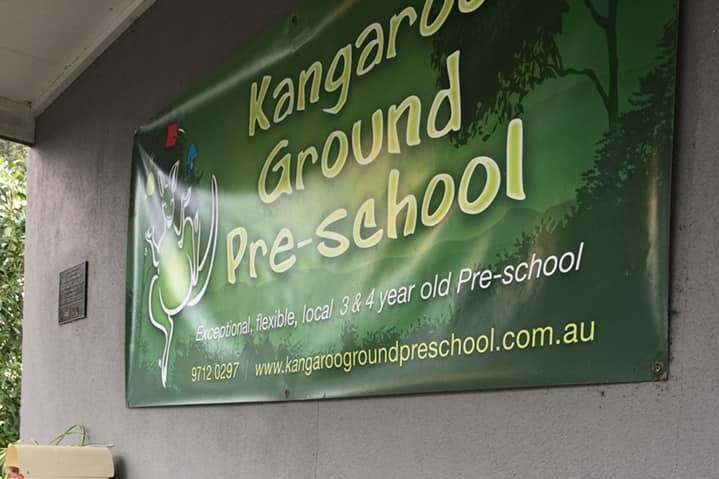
(45, 45)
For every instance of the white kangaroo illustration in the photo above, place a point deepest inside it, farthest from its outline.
(178, 286)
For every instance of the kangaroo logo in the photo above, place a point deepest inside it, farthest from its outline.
(182, 266)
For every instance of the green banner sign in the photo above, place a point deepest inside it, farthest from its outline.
(409, 196)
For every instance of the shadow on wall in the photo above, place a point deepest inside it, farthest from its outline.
(119, 468)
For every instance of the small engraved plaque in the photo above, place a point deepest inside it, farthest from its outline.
(73, 293)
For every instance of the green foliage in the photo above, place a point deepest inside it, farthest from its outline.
(12, 248)
(524, 35)
(629, 181)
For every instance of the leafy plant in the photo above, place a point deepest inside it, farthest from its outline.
(12, 248)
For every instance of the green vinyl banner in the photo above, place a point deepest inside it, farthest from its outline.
(409, 196)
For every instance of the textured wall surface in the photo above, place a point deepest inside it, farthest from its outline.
(79, 180)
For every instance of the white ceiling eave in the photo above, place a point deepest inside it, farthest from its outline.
(17, 122)
(48, 62)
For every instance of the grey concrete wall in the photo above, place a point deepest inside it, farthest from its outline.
(79, 180)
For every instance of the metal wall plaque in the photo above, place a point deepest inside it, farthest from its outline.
(73, 294)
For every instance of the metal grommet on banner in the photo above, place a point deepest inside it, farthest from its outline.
(658, 369)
